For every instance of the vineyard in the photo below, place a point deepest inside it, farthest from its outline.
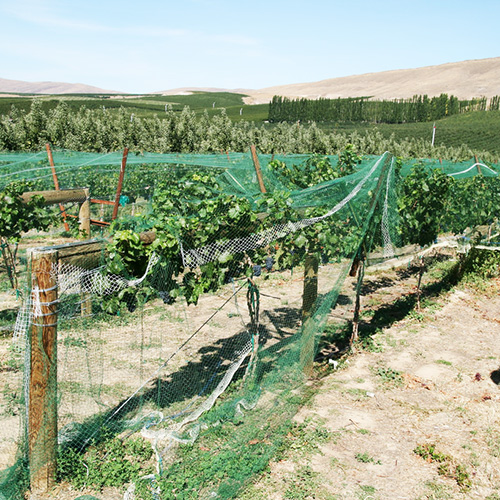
(160, 344)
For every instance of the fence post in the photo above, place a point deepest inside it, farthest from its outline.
(42, 403)
(84, 216)
(56, 183)
(309, 296)
(120, 184)
(256, 164)
(357, 303)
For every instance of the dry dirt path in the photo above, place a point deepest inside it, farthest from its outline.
(415, 416)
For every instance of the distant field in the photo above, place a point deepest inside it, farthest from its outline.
(148, 106)
(479, 130)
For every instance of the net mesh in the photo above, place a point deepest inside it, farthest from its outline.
(136, 358)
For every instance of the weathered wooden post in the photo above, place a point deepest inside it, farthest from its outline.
(56, 183)
(258, 171)
(42, 402)
(84, 227)
(360, 270)
(309, 296)
(120, 184)
(84, 216)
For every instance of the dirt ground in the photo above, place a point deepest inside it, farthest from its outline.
(429, 379)
(425, 379)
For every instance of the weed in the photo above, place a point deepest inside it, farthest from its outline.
(389, 376)
(366, 459)
(367, 490)
(12, 401)
(444, 362)
(493, 442)
(74, 342)
(305, 438)
(358, 393)
(438, 491)
(416, 315)
(429, 453)
(305, 481)
(109, 463)
(446, 465)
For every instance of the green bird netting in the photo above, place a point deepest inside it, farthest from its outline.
(171, 361)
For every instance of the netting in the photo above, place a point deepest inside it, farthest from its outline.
(208, 336)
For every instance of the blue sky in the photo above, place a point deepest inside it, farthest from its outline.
(145, 45)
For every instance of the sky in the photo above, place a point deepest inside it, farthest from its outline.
(145, 46)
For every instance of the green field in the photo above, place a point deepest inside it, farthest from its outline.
(150, 105)
(479, 130)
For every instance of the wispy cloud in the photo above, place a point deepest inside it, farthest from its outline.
(40, 14)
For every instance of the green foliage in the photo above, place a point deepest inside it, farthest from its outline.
(97, 125)
(303, 484)
(482, 262)
(422, 204)
(447, 466)
(419, 108)
(112, 462)
(366, 459)
(429, 453)
(18, 217)
(389, 376)
(348, 159)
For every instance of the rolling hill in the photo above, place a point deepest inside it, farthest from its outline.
(53, 88)
(465, 80)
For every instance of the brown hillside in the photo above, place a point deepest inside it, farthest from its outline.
(17, 86)
(464, 80)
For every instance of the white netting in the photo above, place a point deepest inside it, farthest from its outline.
(388, 246)
(220, 250)
(73, 280)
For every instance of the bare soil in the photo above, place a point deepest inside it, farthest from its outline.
(430, 378)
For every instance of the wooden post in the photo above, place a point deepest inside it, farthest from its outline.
(357, 304)
(56, 183)
(54, 197)
(309, 296)
(84, 216)
(120, 184)
(84, 220)
(477, 165)
(256, 164)
(42, 405)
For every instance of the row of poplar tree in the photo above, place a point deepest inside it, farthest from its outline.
(419, 108)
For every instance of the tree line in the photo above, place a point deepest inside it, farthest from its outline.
(102, 130)
(419, 108)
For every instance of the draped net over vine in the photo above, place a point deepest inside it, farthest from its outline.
(228, 369)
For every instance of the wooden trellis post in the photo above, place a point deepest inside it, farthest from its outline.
(120, 184)
(42, 403)
(56, 183)
(258, 171)
(309, 296)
